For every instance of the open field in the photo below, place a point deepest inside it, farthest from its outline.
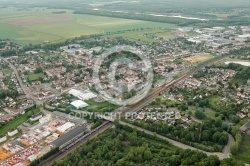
(199, 58)
(101, 107)
(37, 25)
(34, 77)
(7, 71)
(141, 35)
(244, 149)
(213, 100)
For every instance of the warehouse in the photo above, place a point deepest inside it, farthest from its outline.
(32, 158)
(36, 117)
(3, 138)
(70, 135)
(12, 132)
(83, 96)
(75, 92)
(78, 104)
(87, 95)
(44, 119)
(62, 129)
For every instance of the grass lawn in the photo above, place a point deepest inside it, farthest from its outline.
(34, 77)
(167, 33)
(213, 100)
(16, 122)
(36, 25)
(100, 107)
(244, 152)
(7, 71)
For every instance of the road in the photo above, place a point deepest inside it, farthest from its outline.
(225, 154)
(146, 100)
(151, 96)
(227, 149)
(28, 95)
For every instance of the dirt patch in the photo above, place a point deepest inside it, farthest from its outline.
(41, 20)
(198, 58)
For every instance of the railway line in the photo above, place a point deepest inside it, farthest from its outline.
(135, 107)
(72, 146)
(157, 91)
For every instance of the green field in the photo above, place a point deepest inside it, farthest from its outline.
(34, 76)
(100, 106)
(140, 35)
(214, 100)
(244, 151)
(7, 71)
(37, 25)
(16, 122)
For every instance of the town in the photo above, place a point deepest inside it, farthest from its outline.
(41, 87)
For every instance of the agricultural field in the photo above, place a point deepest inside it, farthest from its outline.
(141, 35)
(199, 58)
(25, 27)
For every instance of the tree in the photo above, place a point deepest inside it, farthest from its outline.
(216, 136)
(147, 155)
(183, 107)
(231, 162)
(38, 70)
(206, 135)
(200, 115)
(235, 148)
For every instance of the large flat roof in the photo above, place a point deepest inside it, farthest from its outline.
(79, 104)
(86, 95)
(65, 126)
(70, 135)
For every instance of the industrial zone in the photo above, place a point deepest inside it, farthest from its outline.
(49, 131)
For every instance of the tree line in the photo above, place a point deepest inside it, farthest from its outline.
(125, 146)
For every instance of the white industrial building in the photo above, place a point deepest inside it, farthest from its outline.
(86, 95)
(36, 117)
(65, 127)
(78, 104)
(32, 158)
(3, 138)
(44, 119)
(12, 132)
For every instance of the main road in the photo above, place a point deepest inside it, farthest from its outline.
(28, 95)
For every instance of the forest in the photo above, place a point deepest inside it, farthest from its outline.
(125, 146)
(208, 136)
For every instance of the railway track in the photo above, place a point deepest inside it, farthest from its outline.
(133, 108)
(64, 152)
(161, 89)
